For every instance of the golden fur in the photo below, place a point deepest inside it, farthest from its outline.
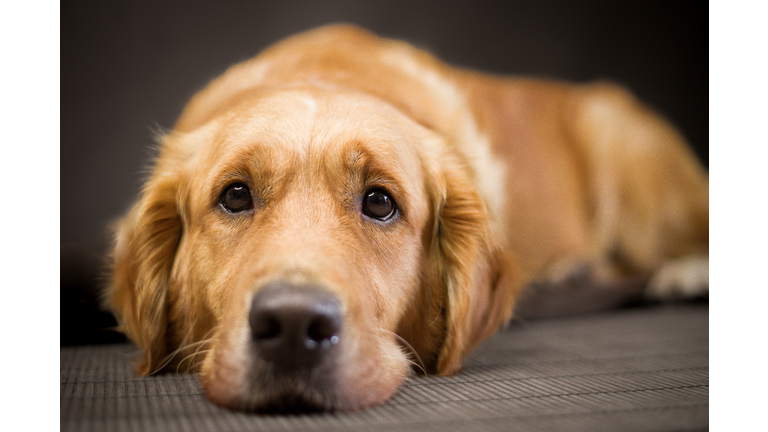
(499, 182)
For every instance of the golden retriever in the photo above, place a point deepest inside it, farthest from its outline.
(343, 209)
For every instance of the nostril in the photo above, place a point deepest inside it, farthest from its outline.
(265, 326)
(323, 331)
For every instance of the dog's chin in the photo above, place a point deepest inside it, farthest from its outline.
(266, 389)
(287, 396)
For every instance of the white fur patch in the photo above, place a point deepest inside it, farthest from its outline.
(682, 278)
(310, 103)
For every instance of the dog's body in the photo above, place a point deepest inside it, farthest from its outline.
(341, 206)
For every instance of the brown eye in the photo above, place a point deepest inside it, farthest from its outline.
(237, 198)
(377, 204)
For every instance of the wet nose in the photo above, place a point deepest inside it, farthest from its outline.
(295, 326)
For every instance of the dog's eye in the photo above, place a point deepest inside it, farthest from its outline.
(237, 198)
(378, 204)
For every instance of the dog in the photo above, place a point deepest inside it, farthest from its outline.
(344, 210)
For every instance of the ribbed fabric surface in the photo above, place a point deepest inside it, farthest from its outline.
(640, 369)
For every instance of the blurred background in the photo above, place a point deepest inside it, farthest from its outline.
(128, 69)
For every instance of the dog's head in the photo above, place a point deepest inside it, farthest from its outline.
(308, 247)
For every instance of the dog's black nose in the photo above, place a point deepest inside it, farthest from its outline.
(295, 326)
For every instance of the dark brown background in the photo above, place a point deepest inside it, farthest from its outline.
(128, 68)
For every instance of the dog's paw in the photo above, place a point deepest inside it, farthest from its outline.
(686, 277)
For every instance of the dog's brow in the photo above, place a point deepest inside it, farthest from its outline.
(370, 168)
(255, 165)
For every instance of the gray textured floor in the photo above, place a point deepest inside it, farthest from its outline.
(639, 369)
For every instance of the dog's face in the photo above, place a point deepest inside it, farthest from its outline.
(314, 203)
(304, 249)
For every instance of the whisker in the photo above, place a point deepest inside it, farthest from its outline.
(419, 362)
(167, 359)
(196, 365)
(198, 348)
(434, 320)
(203, 343)
(200, 342)
(190, 356)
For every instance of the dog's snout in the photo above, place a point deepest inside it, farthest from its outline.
(295, 326)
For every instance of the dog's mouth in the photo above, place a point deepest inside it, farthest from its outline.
(290, 405)
(293, 403)
(294, 390)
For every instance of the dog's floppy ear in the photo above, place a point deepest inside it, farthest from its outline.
(480, 280)
(145, 247)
